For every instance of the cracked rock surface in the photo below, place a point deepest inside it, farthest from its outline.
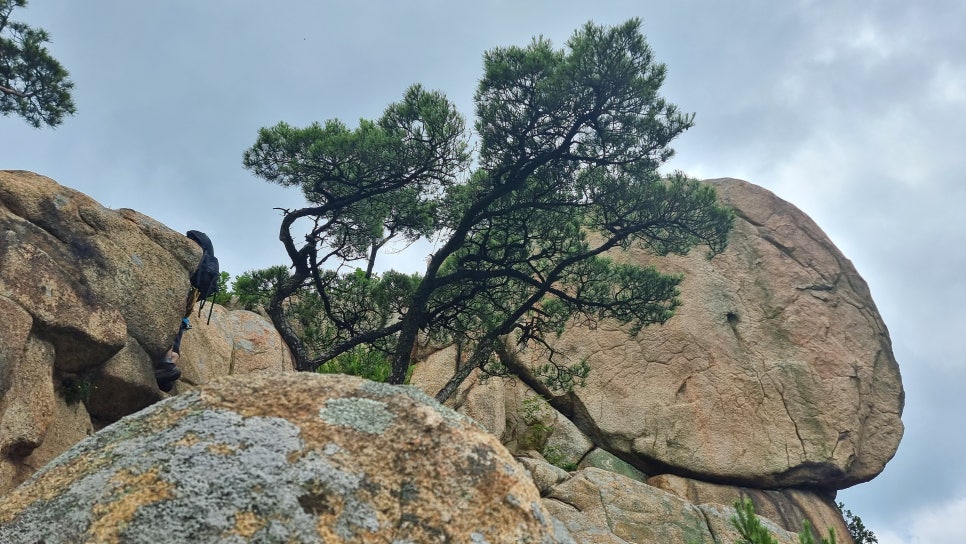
(290, 458)
(89, 298)
(776, 371)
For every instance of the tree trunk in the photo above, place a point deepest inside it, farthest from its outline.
(404, 348)
(276, 311)
(295, 345)
(480, 354)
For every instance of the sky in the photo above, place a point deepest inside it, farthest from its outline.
(853, 110)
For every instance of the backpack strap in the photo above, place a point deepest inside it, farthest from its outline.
(211, 304)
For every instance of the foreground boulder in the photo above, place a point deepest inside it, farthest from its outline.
(295, 458)
(89, 298)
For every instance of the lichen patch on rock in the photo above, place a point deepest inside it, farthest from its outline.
(366, 415)
(304, 458)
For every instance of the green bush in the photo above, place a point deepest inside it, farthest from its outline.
(362, 361)
(224, 294)
(753, 532)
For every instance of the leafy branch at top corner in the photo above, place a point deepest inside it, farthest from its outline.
(33, 84)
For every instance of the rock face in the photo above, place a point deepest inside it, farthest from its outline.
(296, 458)
(788, 508)
(777, 370)
(774, 380)
(89, 297)
(599, 506)
(235, 342)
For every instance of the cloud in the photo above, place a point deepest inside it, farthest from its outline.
(937, 524)
(948, 84)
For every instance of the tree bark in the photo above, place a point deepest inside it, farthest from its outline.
(277, 312)
(482, 352)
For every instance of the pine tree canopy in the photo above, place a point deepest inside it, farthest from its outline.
(560, 172)
(33, 84)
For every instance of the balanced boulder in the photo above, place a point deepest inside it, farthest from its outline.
(776, 371)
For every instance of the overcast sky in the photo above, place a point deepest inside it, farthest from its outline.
(855, 111)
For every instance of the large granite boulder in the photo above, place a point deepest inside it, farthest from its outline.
(776, 371)
(89, 298)
(284, 458)
(233, 342)
(603, 506)
(776, 377)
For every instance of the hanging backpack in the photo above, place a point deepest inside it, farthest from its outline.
(205, 278)
(204, 284)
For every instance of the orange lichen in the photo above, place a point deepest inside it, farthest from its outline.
(189, 439)
(131, 492)
(57, 479)
(247, 524)
(221, 449)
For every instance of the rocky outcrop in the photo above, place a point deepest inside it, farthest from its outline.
(233, 342)
(605, 506)
(599, 506)
(89, 297)
(776, 371)
(298, 458)
(775, 379)
(787, 507)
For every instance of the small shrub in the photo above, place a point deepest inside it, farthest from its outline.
(76, 389)
(223, 296)
(537, 432)
(753, 532)
(556, 458)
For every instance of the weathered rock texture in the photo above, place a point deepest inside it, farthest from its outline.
(235, 342)
(598, 506)
(775, 374)
(89, 297)
(787, 507)
(296, 458)
(777, 370)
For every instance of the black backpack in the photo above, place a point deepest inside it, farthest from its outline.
(205, 277)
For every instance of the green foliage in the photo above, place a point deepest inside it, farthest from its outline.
(860, 534)
(753, 532)
(533, 411)
(806, 537)
(749, 526)
(561, 376)
(360, 361)
(349, 302)
(556, 458)
(33, 84)
(77, 388)
(369, 184)
(566, 168)
(256, 287)
(224, 294)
